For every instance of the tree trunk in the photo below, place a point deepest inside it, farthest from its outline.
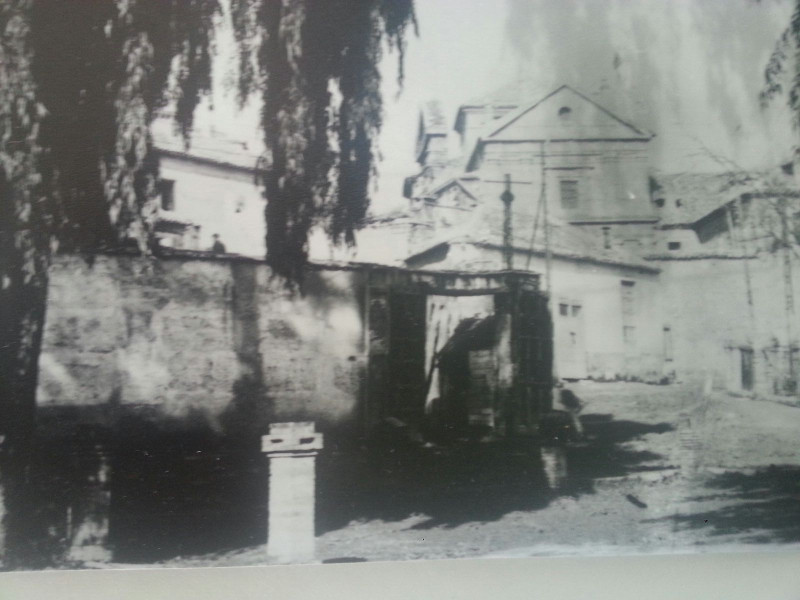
(24, 258)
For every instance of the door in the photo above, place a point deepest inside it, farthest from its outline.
(406, 359)
(570, 350)
(534, 342)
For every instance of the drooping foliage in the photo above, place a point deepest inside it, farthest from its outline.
(316, 66)
(782, 72)
(80, 83)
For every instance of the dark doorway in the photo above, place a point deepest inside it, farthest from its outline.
(533, 339)
(406, 360)
(468, 376)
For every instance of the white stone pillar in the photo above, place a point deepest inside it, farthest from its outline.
(554, 462)
(292, 449)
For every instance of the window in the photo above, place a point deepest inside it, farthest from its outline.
(576, 310)
(674, 245)
(606, 237)
(629, 335)
(166, 189)
(564, 112)
(563, 309)
(628, 313)
(569, 193)
(667, 343)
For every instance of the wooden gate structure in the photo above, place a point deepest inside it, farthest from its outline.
(396, 319)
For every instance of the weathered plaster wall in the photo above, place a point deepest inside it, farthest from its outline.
(213, 339)
(612, 177)
(706, 304)
(597, 289)
(220, 200)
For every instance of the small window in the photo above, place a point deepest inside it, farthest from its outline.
(576, 310)
(563, 309)
(629, 334)
(607, 237)
(674, 245)
(678, 202)
(659, 202)
(564, 112)
(569, 193)
(166, 189)
(668, 343)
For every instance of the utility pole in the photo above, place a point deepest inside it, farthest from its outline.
(788, 286)
(508, 228)
(548, 255)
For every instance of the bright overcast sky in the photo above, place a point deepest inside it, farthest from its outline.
(688, 70)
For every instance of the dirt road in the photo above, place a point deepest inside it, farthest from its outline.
(662, 469)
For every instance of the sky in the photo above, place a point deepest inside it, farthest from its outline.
(688, 70)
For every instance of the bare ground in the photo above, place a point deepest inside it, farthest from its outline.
(662, 469)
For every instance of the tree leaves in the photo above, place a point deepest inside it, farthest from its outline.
(316, 65)
(786, 52)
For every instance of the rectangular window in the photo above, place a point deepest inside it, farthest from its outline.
(628, 313)
(628, 299)
(747, 368)
(576, 310)
(166, 189)
(607, 237)
(563, 309)
(569, 193)
(629, 335)
(667, 343)
(674, 245)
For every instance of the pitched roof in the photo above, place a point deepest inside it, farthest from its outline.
(566, 241)
(592, 120)
(689, 197)
(207, 147)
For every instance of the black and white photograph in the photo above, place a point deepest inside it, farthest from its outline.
(293, 282)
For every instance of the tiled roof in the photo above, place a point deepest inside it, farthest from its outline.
(688, 197)
(566, 241)
(216, 148)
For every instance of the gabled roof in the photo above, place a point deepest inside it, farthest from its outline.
(563, 115)
(457, 181)
(586, 120)
(506, 97)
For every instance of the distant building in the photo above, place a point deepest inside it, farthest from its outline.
(653, 276)
(206, 189)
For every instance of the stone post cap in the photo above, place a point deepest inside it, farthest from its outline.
(292, 438)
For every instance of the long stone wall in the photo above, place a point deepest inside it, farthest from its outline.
(219, 340)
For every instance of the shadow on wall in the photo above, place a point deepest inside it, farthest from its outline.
(245, 419)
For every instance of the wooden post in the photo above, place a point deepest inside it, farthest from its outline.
(508, 232)
(292, 449)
